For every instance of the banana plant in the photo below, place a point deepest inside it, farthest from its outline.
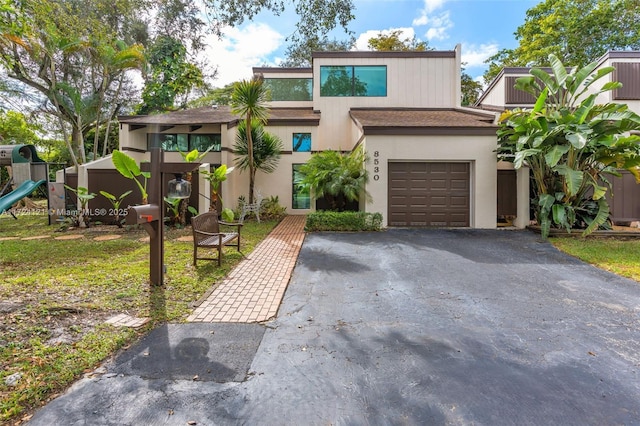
(82, 219)
(128, 168)
(116, 202)
(571, 144)
(215, 178)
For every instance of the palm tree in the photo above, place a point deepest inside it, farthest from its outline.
(249, 99)
(265, 151)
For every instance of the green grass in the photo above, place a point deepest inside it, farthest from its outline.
(74, 286)
(620, 256)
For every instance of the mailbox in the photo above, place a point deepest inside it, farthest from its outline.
(139, 215)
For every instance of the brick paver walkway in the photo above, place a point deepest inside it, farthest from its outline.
(253, 290)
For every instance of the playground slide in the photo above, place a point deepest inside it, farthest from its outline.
(25, 188)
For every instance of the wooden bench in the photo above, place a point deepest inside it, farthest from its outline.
(207, 235)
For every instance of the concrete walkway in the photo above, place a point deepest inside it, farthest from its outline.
(253, 290)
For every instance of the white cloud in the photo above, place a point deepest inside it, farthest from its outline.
(363, 39)
(474, 55)
(240, 50)
(438, 23)
(429, 7)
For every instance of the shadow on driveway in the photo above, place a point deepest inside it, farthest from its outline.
(453, 327)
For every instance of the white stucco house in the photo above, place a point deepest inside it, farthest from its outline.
(431, 161)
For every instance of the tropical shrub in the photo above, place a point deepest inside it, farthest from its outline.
(336, 176)
(572, 145)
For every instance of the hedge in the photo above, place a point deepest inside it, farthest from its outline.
(343, 221)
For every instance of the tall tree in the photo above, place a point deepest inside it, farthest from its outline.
(170, 77)
(249, 100)
(299, 54)
(66, 52)
(316, 18)
(577, 32)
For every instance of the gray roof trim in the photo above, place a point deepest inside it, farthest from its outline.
(282, 70)
(376, 54)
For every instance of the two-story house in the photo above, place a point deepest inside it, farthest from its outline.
(431, 161)
(501, 95)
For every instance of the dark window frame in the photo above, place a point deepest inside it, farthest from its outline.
(189, 136)
(354, 80)
(294, 192)
(293, 137)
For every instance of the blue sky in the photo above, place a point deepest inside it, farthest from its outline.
(482, 27)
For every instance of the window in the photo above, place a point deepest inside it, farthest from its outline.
(290, 89)
(185, 142)
(301, 198)
(353, 80)
(301, 142)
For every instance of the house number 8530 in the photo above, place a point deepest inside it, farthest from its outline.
(376, 162)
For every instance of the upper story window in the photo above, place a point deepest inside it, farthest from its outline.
(301, 142)
(290, 89)
(353, 80)
(185, 142)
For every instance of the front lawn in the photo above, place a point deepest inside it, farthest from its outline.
(620, 256)
(56, 294)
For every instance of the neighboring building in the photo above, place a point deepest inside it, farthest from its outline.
(431, 162)
(501, 95)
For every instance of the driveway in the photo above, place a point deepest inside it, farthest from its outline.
(460, 327)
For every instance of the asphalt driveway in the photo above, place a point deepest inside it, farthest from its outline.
(461, 327)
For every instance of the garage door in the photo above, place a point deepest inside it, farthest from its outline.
(429, 194)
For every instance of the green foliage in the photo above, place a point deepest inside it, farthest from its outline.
(343, 221)
(173, 207)
(227, 215)
(471, 89)
(300, 54)
(266, 148)
(270, 209)
(128, 168)
(14, 129)
(249, 99)
(216, 178)
(169, 78)
(215, 96)
(332, 174)
(393, 42)
(575, 31)
(316, 18)
(76, 285)
(571, 144)
(71, 60)
(84, 196)
(116, 202)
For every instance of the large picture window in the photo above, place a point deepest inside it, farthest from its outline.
(353, 80)
(301, 198)
(173, 142)
(290, 89)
